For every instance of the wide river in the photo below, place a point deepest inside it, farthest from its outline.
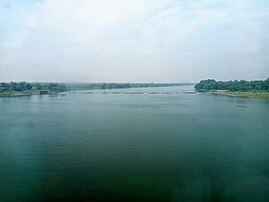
(150, 144)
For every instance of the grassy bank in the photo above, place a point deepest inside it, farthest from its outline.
(13, 93)
(246, 94)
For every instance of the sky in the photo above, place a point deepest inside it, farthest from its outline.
(133, 40)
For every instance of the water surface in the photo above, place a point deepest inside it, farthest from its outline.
(150, 144)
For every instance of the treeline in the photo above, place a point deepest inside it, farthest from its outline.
(89, 86)
(27, 86)
(242, 85)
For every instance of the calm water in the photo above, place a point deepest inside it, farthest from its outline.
(152, 144)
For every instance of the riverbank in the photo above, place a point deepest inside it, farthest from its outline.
(245, 94)
(13, 93)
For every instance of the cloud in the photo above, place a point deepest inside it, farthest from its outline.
(153, 40)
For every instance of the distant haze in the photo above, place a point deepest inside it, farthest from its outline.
(133, 40)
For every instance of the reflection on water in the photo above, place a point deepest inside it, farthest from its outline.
(159, 144)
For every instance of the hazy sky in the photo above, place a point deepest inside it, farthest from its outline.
(133, 40)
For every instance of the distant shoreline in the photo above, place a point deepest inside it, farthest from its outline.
(80, 86)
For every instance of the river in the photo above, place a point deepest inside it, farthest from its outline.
(148, 144)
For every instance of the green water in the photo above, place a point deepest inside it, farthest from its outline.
(152, 144)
